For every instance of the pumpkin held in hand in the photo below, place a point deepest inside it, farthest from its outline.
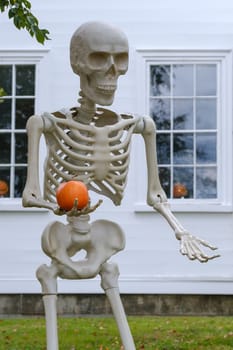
(68, 192)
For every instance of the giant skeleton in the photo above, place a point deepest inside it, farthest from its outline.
(92, 145)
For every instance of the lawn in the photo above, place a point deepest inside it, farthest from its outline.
(150, 333)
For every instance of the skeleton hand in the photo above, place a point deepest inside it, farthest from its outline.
(75, 211)
(190, 246)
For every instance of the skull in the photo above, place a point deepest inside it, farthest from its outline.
(99, 55)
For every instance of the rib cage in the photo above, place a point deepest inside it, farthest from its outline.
(97, 154)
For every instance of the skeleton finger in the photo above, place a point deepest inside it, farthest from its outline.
(201, 256)
(206, 244)
(59, 211)
(186, 250)
(91, 209)
(193, 251)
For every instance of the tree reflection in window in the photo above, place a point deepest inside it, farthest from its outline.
(17, 104)
(183, 104)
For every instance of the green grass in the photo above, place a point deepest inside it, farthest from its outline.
(150, 333)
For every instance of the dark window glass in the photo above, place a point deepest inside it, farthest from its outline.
(183, 177)
(24, 109)
(183, 148)
(5, 177)
(5, 80)
(20, 180)
(25, 80)
(5, 147)
(160, 80)
(163, 148)
(20, 148)
(5, 113)
(160, 111)
(165, 176)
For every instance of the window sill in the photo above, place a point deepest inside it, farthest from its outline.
(183, 205)
(7, 204)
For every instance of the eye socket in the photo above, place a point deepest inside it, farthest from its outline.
(121, 60)
(98, 59)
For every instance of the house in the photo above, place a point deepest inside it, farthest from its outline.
(180, 73)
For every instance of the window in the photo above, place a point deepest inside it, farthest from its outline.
(188, 95)
(17, 104)
(183, 103)
(19, 90)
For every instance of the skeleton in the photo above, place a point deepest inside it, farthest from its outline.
(92, 145)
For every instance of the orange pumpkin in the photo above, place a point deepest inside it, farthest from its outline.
(68, 192)
(3, 188)
(179, 190)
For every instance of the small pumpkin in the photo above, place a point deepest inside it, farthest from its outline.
(68, 192)
(179, 190)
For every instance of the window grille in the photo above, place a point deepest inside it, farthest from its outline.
(188, 93)
(184, 104)
(17, 104)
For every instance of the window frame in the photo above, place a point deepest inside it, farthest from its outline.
(223, 59)
(24, 57)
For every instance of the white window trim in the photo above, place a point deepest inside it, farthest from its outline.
(24, 56)
(223, 58)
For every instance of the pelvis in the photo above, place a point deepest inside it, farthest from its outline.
(100, 240)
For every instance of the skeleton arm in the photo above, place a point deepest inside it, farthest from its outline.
(32, 194)
(189, 245)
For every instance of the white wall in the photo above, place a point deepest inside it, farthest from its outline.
(151, 262)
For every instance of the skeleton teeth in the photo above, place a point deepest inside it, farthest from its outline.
(108, 89)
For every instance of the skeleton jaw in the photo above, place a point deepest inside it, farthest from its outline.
(98, 92)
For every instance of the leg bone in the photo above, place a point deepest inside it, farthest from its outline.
(50, 305)
(47, 276)
(109, 282)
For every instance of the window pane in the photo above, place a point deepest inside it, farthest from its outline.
(5, 176)
(206, 80)
(183, 114)
(206, 148)
(160, 112)
(20, 180)
(163, 148)
(164, 175)
(183, 80)
(5, 80)
(206, 182)
(24, 109)
(5, 114)
(5, 146)
(20, 148)
(25, 80)
(160, 80)
(183, 182)
(206, 113)
(183, 148)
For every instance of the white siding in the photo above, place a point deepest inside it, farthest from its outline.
(151, 262)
